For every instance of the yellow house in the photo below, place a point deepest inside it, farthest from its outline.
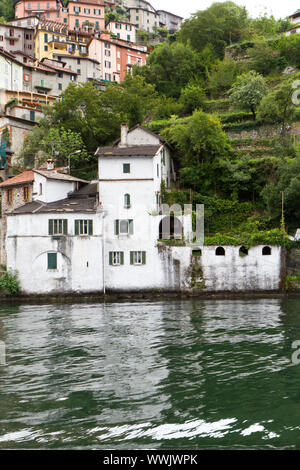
(50, 39)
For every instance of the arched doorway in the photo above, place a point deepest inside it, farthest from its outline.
(170, 228)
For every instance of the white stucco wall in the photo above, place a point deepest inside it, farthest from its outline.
(79, 260)
(52, 190)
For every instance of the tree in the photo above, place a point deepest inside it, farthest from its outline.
(219, 25)
(222, 76)
(248, 91)
(192, 97)
(288, 182)
(278, 105)
(170, 68)
(201, 145)
(7, 9)
(265, 59)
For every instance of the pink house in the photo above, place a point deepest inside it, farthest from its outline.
(86, 14)
(48, 9)
(78, 15)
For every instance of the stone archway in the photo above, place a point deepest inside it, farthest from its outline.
(170, 228)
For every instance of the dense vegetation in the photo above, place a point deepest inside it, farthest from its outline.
(221, 75)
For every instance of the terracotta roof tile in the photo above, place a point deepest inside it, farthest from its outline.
(24, 177)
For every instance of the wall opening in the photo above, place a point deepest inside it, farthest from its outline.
(243, 251)
(220, 251)
(170, 228)
(197, 252)
(266, 251)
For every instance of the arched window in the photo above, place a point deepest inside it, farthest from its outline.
(266, 251)
(126, 201)
(41, 189)
(243, 251)
(197, 252)
(170, 228)
(220, 251)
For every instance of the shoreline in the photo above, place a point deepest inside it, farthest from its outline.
(137, 296)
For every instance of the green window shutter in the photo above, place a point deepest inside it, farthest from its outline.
(90, 222)
(65, 230)
(132, 257)
(50, 221)
(117, 222)
(143, 257)
(121, 257)
(76, 227)
(52, 260)
(130, 227)
(110, 258)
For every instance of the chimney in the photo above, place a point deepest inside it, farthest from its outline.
(50, 164)
(124, 134)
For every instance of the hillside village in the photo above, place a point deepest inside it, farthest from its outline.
(109, 110)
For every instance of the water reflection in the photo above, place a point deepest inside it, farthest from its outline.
(179, 374)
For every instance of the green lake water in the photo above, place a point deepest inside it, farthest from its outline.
(192, 374)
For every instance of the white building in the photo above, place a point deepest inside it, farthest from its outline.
(109, 236)
(122, 30)
(169, 20)
(11, 72)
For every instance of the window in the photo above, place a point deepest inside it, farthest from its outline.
(58, 226)
(60, 86)
(126, 167)
(45, 37)
(220, 251)
(78, 61)
(45, 48)
(48, 5)
(108, 77)
(107, 53)
(76, 10)
(107, 64)
(32, 115)
(76, 22)
(137, 257)
(97, 25)
(52, 261)
(124, 227)
(97, 11)
(116, 258)
(266, 251)
(127, 204)
(128, 37)
(9, 194)
(87, 10)
(41, 189)
(26, 193)
(79, 71)
(197, 253)
(83, 227)
(243, 251)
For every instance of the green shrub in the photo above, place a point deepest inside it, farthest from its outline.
(9, 282)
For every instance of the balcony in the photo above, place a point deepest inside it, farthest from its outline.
(12, 37)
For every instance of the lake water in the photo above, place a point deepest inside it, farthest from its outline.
(192, 374)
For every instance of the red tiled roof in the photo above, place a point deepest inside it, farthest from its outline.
(24, 177)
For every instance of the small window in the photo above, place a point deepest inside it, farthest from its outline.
(52, 261)
(26, 193)
(266, 251)
(127, 204)
(197, 253)
(126, 167)
(124, 227)
(41, 189)
(83, 227)
(243, 251)
(9, 194)
(137, 257)
(58, 226)
(220, 251)
(116, 258)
